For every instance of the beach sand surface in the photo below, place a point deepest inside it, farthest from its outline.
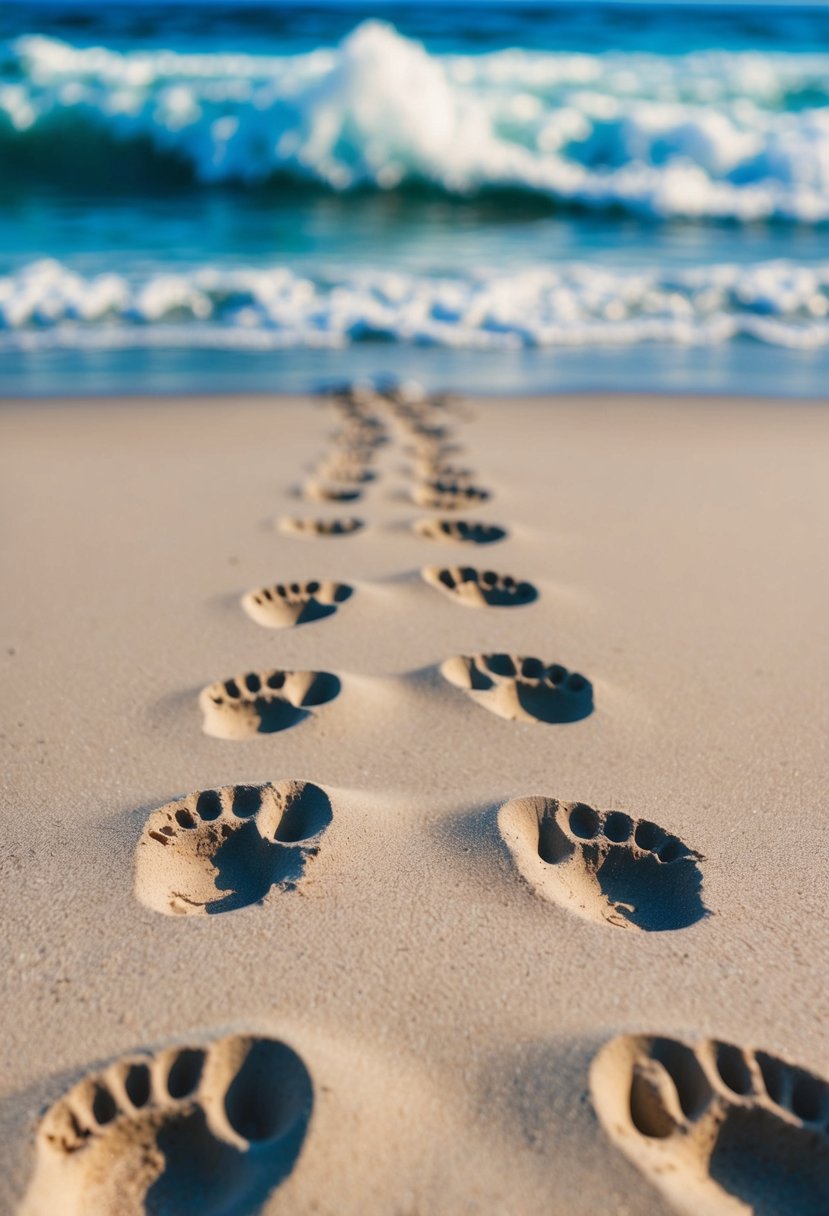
(443, 997)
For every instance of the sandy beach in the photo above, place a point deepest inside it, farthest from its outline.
(375, 971)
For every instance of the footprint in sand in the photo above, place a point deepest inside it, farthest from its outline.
(263, 702)
(432, 471)
(298, 526)
(459, 531)
(194, 1131)
(605, 866)
(286, 604)
(521, 689)
(346, 469)
(434, 450)
(219, 850)
(480, 588)
(325, 491)
(360, 434)
(718, 1129)
(448, 495)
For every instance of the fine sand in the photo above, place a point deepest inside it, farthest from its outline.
(415, 808)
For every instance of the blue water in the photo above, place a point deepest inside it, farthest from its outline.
(518, 197)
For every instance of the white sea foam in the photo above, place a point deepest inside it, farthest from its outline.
(48, 304)
(737, 135)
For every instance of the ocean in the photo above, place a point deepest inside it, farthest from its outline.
(514, 197)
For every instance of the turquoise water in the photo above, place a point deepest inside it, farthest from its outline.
(520, 197)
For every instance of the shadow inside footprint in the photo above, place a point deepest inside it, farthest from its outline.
(651, 895)
(248, 866)
(776, 1169)
(268, 1104)
(276, 714)
(562, 697)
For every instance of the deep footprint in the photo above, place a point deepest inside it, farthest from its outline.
(219, 850)
(480, 588)
(522, 689)
(448, 495)
(286, 604)
(459, 531)
(605, 866)
(263, 702)
(718, 1129)
(200, 1131)
(320, 527)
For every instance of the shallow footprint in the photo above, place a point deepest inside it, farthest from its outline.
(448, 495)
(326, 491)
(298, 526)
(196, 1131)
(219, 850)
(605, 866)
(433, 471)
(718, 1129)
(262, 702)
(480, 588)
(346, 469)
(286, 604)
(522, 689)
(460, 531)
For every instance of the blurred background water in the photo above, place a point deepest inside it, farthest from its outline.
(499, 197)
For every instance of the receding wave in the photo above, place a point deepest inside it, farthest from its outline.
(47, 304)
(713, 134)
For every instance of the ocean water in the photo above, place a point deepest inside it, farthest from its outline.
(513, 196)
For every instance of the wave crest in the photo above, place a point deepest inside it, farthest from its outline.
(727, 135)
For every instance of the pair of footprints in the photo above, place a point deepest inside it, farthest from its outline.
(452, 531)
(514, 687)
(223, 849)
(213, 1130)
(283, 605)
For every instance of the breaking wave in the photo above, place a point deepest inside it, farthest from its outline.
(734, 135)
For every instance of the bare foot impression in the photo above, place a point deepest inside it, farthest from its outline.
(448, 495)
(720, 1130)
(312, 528)
(345, 468)
(326, 491)
(263, 702)
(286, 604)
(521, 689)
(459, 531)
(435, 471)
(195, 1131)
(219, 850)
(605, 866)
(480, 588)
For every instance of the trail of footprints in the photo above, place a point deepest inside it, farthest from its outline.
(212, 1130)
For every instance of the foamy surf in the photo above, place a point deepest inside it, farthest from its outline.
(47, 304)
(735, 135)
